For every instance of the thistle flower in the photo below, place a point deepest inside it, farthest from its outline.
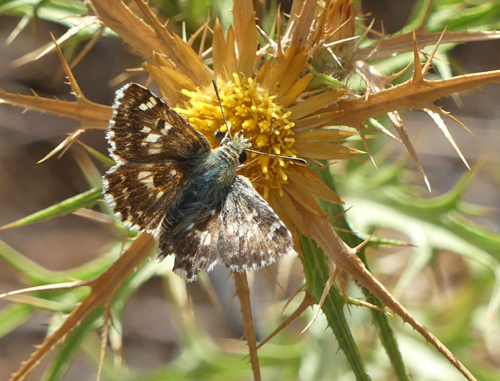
(259, 93)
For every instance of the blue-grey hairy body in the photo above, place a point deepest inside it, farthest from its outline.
(169, 182)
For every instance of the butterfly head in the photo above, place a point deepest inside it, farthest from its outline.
(238, 143)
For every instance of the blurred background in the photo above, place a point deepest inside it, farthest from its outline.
(150, 337)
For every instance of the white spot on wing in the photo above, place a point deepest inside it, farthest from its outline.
(207, 240)
(152, 138)
(153, 101)
(205, 237)
(147, 179)
(143, 107)
(145, 129)
(212, 265)
(274, 226)
(143, 174)
(165, 129)
(242, 231)
(110, 200)
(154, 151)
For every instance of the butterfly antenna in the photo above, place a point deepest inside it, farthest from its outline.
(228, 125)
(296, 160)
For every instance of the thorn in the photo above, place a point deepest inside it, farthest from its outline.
(394, 76)
(365, 142)
(326, 291)
(334, 218)
(72, 81)
(426, 16)
(417, 71)
(442, 126)
(431, 57)
(307, 302)
(88, 46)
(398, 125)
(358, 248)
(363, 36)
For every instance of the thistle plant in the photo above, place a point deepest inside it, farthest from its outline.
(288, 82)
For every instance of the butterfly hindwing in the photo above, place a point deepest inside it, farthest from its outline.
(253, 236)
(144, 129)
(194, 245)
(243, 232)
(142, 194)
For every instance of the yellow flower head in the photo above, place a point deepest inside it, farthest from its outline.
(250, 108)
(264, 94)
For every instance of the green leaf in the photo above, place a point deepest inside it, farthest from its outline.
(456, 17)
(107, 161)
(83, 200)
(34, 274)
(385, 331)
(11, 317)
(316, 272)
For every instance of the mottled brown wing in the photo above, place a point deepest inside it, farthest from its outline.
(155, 149)
(142, 194)
(254, 236)
(144, 129)
(243, 232)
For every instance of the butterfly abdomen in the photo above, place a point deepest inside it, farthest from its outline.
(207, 188)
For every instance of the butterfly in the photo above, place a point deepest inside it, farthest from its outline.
(168, 181)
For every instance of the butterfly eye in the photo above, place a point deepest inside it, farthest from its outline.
(243, 157)
(218, 135)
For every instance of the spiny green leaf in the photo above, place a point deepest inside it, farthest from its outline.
(321, 80)
(381, 320)
(317, 272)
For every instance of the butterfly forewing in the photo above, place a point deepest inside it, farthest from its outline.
(144, 129)
(154, 148)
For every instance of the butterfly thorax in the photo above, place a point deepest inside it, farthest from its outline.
(211, 179)
(227, 156)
